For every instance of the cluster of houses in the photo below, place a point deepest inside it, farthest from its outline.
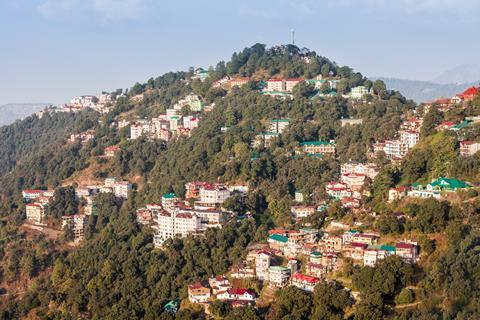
(171, 123)
(120, 188)
(200, 211)
(83, 137)
(36, 204)
(408, 137)
(300, 258)
(100, 103)
(445, 103)
(352, 180)
(434, 189)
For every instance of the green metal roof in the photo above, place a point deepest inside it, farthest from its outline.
(280, 120)
(316, 254)
(446, 183)
(278, 237)
(279, 268)
(168, 195)
(387, 248)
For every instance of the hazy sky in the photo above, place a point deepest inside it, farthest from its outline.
(52, 50)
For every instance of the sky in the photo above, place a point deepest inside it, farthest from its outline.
(52, 50)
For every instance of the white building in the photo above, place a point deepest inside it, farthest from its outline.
(278, 276)
(302, 211)
(76, 223)
(262, 264)
(213, 193)
(35, 213)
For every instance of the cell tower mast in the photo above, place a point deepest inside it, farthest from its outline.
(293, 37)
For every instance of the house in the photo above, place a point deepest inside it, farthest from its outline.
(409, 137)
(445, 125)
(315, 257)
(171, 307)
(278, 125)
(213, 194)
(241, 294)
(198, 292)
(368, 239)
(470, 93)
(242, 271)
(239, 81)
(277, 242)
(275, 85)
(333, 243)
(265, 139)
(168, 200)
(75, 223)
(300, 212)
(144, 216)
(278, 276)
(262, 264)
(354, 181)
(31, 194)
(350, 122)
(318, 147)
(298, 196)
(434, 188)
(359, 92)
(407, 251)
(338, 190)
(111, 150)
(304, 282)
(316, 270)
(397, 193)
(121, 189)
(469, 148)
(347, 236)
(370, 170)
(375, 253)
(349, 202)
(291, 83)
(35, 212)
(219, 283)
(355, 250)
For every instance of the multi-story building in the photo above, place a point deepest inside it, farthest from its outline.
(409, 137)
(239, 81)
(304, 282)
(31, 194)
(300, 212)
(469, 148)
(318, 147)
(354, 181)
(76, 223)
(35, 212)
(278, 276)
(262, 264)
(198, 292)
(370, 170)
(316, 270)
(333, 243)
(407, 251)
(213, 194)
(275, 85)
(111, 151)
(121, 189)
(359, 92)
(292, 82)
(278, 125)
(338, 190)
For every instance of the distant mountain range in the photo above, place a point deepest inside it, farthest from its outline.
(14, 111)
(423, 91)
(466, 73)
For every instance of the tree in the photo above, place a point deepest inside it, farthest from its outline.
(379, 88)
(405, 296)
(330, 301)
(431, 120)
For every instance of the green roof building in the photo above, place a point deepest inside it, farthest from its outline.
(277, 238)
(447, 184)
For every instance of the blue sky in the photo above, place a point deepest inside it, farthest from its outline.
(52, 50)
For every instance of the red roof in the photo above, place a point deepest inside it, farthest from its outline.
(404, 245)
(465, 142)
(304, 278)
(240, 291)
(275, 80)
(313, 265)
(34, 205)
(472, 91)
(112, 148)
(358, 245)
(277, 231)
(196, 285)
(33, 191)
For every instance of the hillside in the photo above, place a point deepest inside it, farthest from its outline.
(303, 159)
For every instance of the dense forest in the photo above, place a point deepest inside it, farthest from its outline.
(118, 274)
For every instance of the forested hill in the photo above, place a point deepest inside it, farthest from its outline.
(116, 273)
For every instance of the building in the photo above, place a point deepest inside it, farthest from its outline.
(278, 125)
(276, 85)
(318, 147)
(434, 188)
(370, 170)
(121, 189)
(35, 212)
(219, 283)
(277, 241)
(144, 216)
(198, 292)
(291, 83)
(76, 224)
(304, 282)
(168, 200)
(409, 137)
(262, 264)
(171, 224)
(373, 254)
(265, 139)
(368, 239)
(213, 193)
(354, 181)
(397, 193)
(407, 251)
(239, 81)
(355, 250)
(359, 92)
(333, 243)
(300, 212)
(111, 150)
(240, 294)
(278, 276)
(338, 190)
(316, 270)
(469, 148)
(31, 194)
